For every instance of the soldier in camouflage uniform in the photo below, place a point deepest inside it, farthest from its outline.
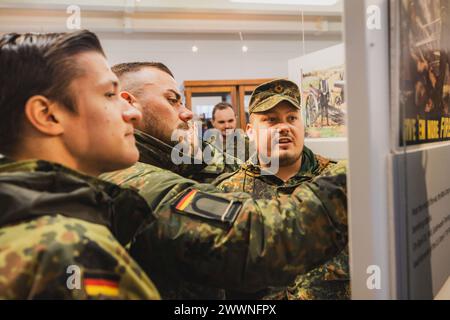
(151, 87)
(331, 280)
(62, 233)
(55, 238)
(231, 241)
(231, 144)
(192, 234)
(224, 157)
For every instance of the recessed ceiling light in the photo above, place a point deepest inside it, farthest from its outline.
(292, 2)
(194, 49)
(244, 48)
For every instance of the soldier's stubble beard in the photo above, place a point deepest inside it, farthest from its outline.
(153, 125)
(288, 160)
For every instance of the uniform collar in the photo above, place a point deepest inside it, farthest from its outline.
(158, 153)
(311, 166)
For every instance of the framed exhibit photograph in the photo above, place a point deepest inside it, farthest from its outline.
(323, 102)
(421, 74)
(321, 78)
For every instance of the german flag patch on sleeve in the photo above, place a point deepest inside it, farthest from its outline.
(207, 206)
(101, 284)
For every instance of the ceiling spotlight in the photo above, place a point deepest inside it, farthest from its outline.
(244, 48)
(194, 49)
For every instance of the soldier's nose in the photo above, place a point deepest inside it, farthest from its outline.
(132, 115)
(283, 129)
(185, 115)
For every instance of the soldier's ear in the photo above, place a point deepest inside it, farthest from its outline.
(250, 132)
(44, 115)
(130, 99)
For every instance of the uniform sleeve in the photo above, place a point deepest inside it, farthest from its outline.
(75, 265)
(266, 243)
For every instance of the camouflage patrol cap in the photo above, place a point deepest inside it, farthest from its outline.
(269, 94)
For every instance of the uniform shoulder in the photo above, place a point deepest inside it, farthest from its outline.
(226, 176)
(323, 162)
(336, 168)
(240, 179)
(138, 169)
(62, 228)
(42, 254)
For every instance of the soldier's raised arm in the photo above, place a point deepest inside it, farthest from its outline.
(230, 240)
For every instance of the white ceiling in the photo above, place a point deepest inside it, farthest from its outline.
(220, 17)
(176, 5)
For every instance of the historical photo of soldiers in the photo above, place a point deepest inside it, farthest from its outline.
(324, 106)
(424, 77)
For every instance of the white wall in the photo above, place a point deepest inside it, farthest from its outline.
(330, 57)
(215, 60)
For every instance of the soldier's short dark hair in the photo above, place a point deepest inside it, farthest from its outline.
(130, 67)
(37, 64)
(221, 106)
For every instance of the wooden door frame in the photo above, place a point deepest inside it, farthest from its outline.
(236, 88)
(242, 90)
